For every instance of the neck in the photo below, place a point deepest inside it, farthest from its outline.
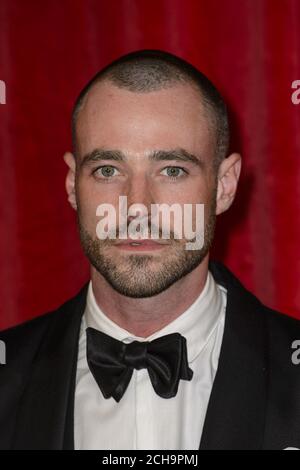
(143, 317)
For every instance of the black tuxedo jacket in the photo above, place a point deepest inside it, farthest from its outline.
(255, 400)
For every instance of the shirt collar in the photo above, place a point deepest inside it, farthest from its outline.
(196, 324)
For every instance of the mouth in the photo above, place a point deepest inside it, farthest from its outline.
(141, 245)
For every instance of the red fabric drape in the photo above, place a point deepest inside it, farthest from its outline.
(49, 49)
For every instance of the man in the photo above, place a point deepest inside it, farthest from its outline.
(163, 349)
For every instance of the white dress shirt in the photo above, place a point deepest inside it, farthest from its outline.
(142, 419)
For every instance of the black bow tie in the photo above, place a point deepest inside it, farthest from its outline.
(112, 362)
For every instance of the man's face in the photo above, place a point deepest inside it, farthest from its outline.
(135, 125)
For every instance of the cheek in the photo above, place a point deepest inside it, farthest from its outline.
(89, 197)
(189, 191)
(87, 203)
(205, 194)
(210, 205)
(196, 194)
(96, 192)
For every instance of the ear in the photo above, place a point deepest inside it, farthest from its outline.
(70, 179)
(228, 177)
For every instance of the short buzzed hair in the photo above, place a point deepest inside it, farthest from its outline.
(149, 70)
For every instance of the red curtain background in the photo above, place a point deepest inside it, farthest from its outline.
(49, 49)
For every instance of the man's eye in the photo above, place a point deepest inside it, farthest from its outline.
(174, 172)
(106, 171)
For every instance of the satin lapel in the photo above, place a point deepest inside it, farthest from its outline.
(45, 407)
(235, 417)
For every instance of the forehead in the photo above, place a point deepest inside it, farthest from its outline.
(117, 118)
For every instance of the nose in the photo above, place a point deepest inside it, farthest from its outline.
(140, 196)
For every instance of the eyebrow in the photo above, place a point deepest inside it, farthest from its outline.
(178, 154)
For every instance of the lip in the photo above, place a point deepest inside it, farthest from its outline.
(144, 245)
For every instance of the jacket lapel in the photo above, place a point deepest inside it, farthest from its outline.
(45, 413)
(236, 412)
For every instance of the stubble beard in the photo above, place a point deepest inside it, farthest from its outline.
(145, 275)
